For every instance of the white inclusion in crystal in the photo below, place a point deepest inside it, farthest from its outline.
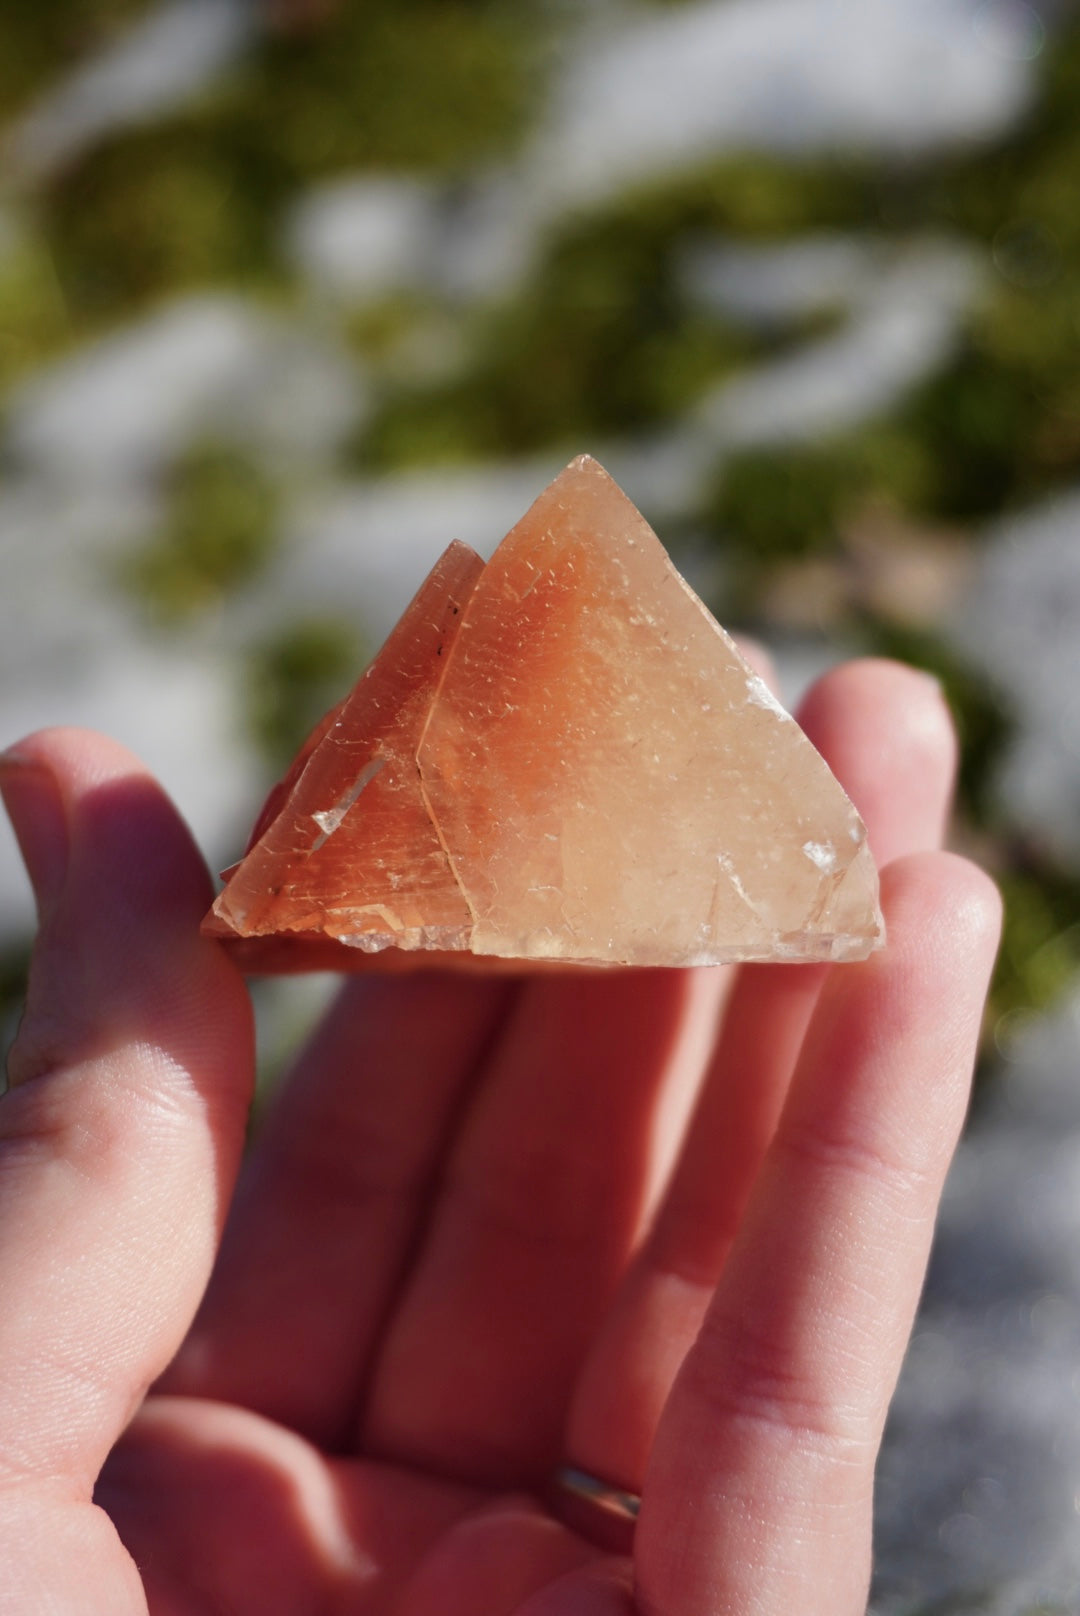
(373, 940)
(368, 942)
(823, 854)
(329, 819)
(730, 871)
(760, 695)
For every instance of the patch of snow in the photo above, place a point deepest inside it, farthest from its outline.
(1020, 623)
(902, 322)
(72, 652)
(764, 285)
(642, 95)
(364, 550)
(364, 237)
(175, 710)
(900, 331)
(59, 606)
(122, 406)
(792, 76)
(490, 235)
(978, 1482)
(1010, 28)
(164, 59)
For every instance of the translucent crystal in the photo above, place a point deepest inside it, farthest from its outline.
(560, 756)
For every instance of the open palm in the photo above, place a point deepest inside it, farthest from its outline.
(477, 1238)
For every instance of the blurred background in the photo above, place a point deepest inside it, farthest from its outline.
(292, 292)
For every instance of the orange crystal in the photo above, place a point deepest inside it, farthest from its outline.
(558, 756)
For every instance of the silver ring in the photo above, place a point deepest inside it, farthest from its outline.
(613, 1502)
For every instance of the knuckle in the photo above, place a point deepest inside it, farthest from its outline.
(834, 1151)
(44, 1045)
(751, 1381)
(90, 1113)
(47, 1120)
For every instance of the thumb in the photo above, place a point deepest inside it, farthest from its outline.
(123, 1122)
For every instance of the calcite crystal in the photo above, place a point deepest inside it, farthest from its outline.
(559, 756)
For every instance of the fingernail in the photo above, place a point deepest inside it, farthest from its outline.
(32, 799)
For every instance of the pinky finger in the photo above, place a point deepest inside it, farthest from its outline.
(758, 1494)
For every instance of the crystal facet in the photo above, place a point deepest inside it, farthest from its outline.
(558, 756)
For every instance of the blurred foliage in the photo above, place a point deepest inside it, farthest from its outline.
(14, 966)
(793, 501)
(1040, 951)
(1000, 422)
(433, 84)
(391, 84)
(161, 210)
(218, 534)
(755, 196)
(602, 339)
(986, 1602)
(34, 321)
(969, 1602)
(38, 41)
(295, 677)
(378, 330)
(980, 711)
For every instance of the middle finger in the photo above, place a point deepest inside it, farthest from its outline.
(542, 1200)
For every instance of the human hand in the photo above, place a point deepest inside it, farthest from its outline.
(468, 1246)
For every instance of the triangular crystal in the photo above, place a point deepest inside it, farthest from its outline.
(587, 771)
(345, 854)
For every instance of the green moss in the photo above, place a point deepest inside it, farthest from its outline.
(1001, 422)
(375, 330)
(40, 42)
(296, 676)
(161, 211)
(782, 504)
(540, 383)
(984, 720)
(965, 1603)
(999, 425)
(969, 1602)
(218, 534)
(757, 197)
(34, 321)
(601, 340)
(770, 506)
(995, 428)
(1030, 174)
(1040, 950)
(14, 967)
(434, 84)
